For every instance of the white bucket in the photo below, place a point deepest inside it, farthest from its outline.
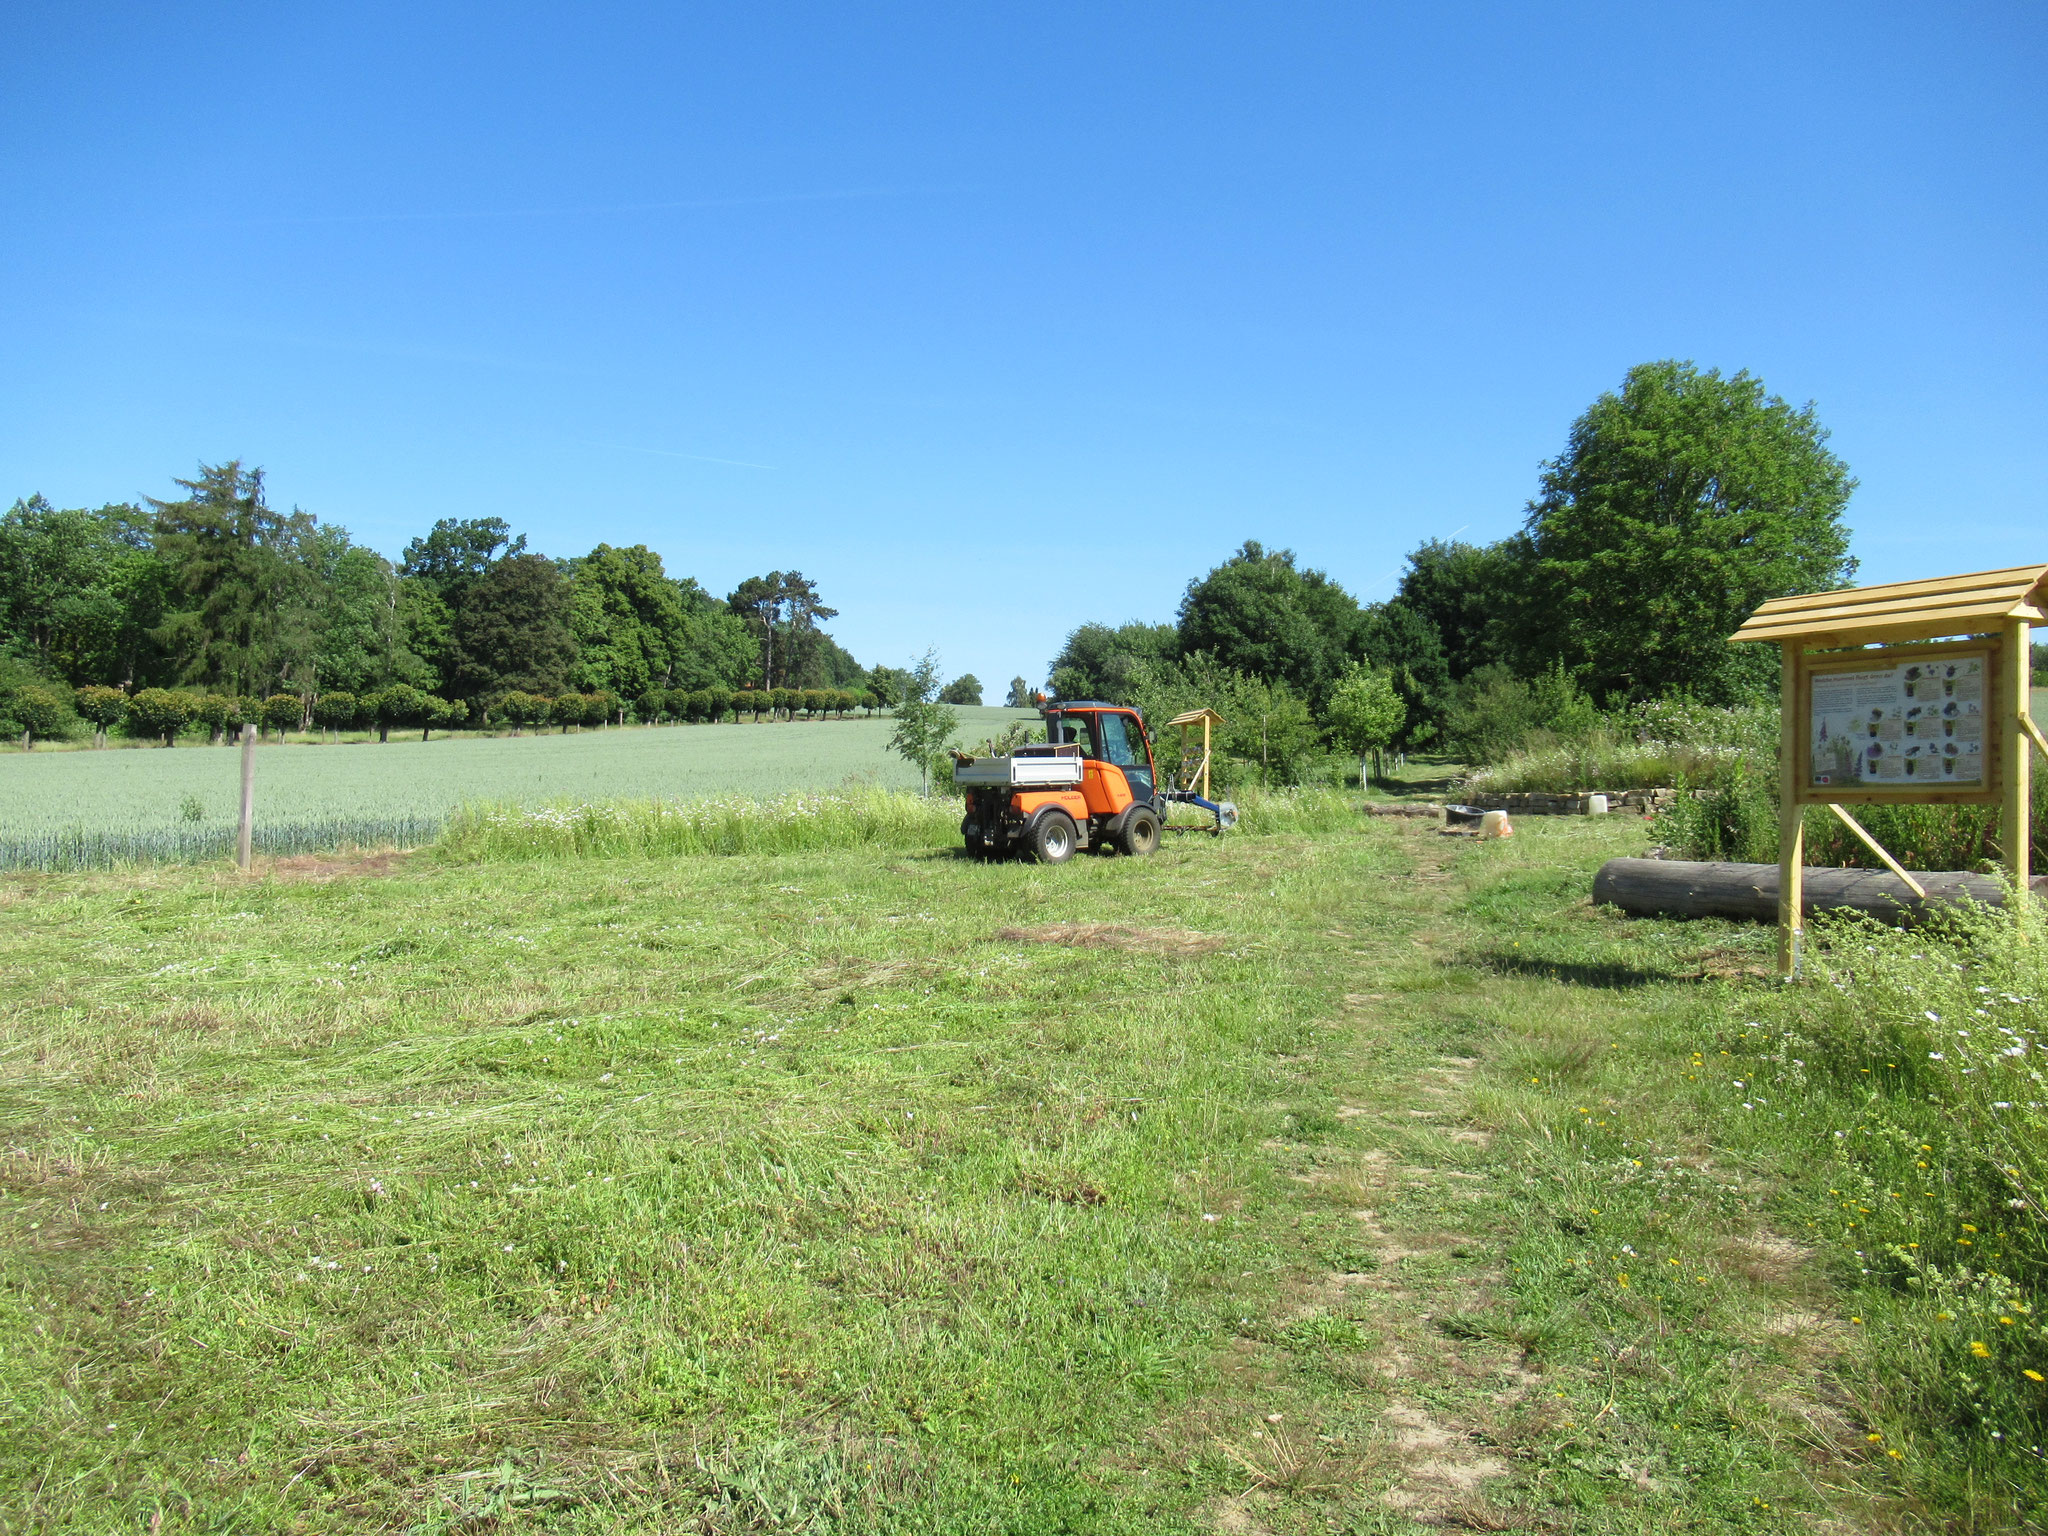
(1495, 824)
(1596, 805)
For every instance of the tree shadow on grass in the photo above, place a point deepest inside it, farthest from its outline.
(1605, 975)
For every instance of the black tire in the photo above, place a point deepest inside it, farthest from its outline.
(1054, 838)
(977, 847)
(1139, 834)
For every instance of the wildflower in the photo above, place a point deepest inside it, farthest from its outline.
(2033, 1375)
(1980, 1349)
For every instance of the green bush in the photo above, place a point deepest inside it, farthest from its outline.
(337, 710)
(1738, 820)
(39, 712)
(1493, 714)
(101, 707)
(283, 712)
(160, 713)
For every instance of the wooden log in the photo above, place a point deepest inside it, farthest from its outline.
(1682, 888)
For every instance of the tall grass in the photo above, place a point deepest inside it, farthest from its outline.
(730, 824)
(1911, 1072)
(798, 824)
(1664, 743)
(75, 848)
(1738, 820)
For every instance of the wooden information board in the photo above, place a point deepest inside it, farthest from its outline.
(1912, 692)
(1917, 723)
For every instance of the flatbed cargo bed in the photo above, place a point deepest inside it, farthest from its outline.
(1042, 768)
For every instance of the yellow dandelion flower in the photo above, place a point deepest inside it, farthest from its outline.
(1980, 1349)
(2034, 1376)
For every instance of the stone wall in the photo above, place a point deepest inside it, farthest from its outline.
(1643, 802)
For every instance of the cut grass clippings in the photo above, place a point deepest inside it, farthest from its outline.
(1356, 1179)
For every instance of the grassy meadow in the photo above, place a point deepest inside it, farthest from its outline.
(86, 808)
(1340, 1176)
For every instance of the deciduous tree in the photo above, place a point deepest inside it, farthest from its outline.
(1680, 503)
(1364, 714)
(924, 726)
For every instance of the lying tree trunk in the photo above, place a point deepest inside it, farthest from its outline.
(1680, 888)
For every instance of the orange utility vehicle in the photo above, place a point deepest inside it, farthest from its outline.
(1091, 783)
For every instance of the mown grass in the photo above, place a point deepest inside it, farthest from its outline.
(1351, 1180)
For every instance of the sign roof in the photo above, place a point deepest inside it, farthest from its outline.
(1906, 610)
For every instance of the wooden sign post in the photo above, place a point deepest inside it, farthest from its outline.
(1912, 692)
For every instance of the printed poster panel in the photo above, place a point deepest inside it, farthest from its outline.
(1915, 723)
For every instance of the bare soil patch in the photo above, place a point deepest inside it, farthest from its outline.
(1156, 941)
(334, 866)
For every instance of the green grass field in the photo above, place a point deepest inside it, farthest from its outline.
(1363, 1181)
(97, 807)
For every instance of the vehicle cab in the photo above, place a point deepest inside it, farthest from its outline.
(1116, 801)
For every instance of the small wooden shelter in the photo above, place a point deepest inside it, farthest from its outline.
(1192, 767)
(1916, 691)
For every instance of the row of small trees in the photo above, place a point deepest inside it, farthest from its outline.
(42, 711)
(697, 705)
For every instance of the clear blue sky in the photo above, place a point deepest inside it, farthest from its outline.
(995, 318)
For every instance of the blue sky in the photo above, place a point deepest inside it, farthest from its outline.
(998, 318)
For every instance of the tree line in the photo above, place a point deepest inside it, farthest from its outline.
(222, 605)
(1679, 503)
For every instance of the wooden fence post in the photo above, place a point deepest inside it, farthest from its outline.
(1791, 813)
(244, 831)
(2017, 753)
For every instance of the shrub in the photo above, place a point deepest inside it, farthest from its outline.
(102, 708)
(402, 704)
(160, 713)
(283, 712)
(520, 709)
(336, 710)
(717, 701)
(1494, 714)
(212, 710)
(814, 701)
(652, 706)
(40, 711)
(1738, 820)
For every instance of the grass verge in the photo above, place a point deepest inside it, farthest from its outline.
(1361, 1180)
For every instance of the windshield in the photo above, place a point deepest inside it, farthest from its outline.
(1117, 746)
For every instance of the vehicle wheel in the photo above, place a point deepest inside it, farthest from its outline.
(1053, 840)
(977, 847)
(1139, 834)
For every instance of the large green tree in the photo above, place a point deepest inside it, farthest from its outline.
(1460, 589)
(244, 565)
(511, 630)
(782, 611)
(627, 617)
(81, 589)
(362, 640)
(1260, 613)
(1398, 639)
(1680, 503)
(1098, 662)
